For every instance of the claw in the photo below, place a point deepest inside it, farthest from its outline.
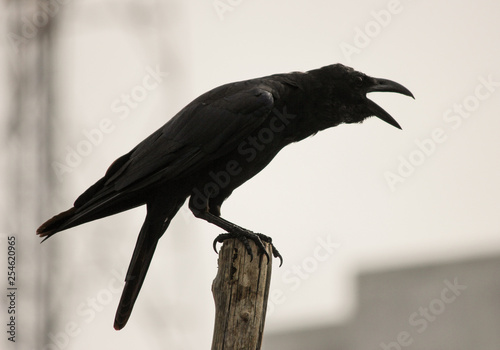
(269, 240)
(277, 254)
(220, 239)
(261, 247)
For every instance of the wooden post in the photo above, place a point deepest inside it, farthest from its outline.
(241, 290)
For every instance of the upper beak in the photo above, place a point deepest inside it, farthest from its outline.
(385, 85)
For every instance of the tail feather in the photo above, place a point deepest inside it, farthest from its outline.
(139, 265)
(98, 201)
(108, 204)
(157, 220)
(55, 224)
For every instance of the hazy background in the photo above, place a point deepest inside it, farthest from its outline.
(442, 202)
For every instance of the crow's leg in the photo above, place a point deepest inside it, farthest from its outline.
(240, 233)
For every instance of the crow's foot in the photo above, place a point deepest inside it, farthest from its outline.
(244, 236)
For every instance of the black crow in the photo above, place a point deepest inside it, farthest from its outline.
(212, 146)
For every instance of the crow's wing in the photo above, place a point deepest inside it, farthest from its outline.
(208, 128)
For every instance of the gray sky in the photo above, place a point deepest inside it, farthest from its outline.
(352, 197)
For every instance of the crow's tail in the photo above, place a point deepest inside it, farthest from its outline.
(106, 204)
(157, 221)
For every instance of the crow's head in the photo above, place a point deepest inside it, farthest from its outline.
(349, 94)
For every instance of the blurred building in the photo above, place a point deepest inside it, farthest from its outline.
(445, 306)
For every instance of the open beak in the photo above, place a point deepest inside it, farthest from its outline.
(385, 85)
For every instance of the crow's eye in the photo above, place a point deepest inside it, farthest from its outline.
(359, 81)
